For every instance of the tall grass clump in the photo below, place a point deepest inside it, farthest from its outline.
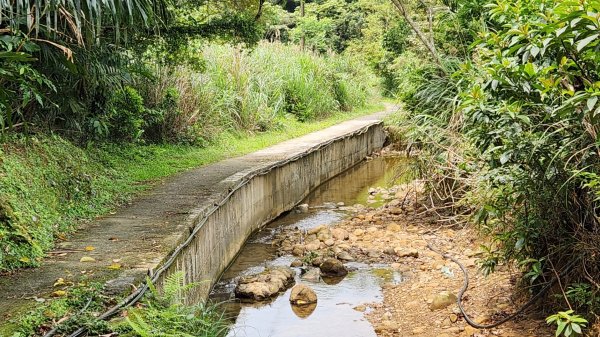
(240, 89)
(250, 89)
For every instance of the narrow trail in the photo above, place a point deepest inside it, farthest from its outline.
(140, 235)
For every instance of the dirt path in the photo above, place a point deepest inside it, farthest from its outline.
(423, 304)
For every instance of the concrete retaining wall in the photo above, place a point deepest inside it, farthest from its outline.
(259, 195)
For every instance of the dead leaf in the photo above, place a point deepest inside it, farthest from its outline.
(59, 282)
(59, 293)
(89, 248)
(114, 266)
(87, 259)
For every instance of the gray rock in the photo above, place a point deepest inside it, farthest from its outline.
(345, 256)
(312, 275)
(302, 208)
(118, 286)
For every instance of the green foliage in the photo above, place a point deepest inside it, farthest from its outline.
(583, 297)
(512, 134)
(250, 90)
(329, 25)
(395, 40)
(20, 83)
(75, 309)
(125, 116)
(567, 324)
(46, 183)
(166, 315)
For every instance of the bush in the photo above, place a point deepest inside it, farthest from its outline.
(125, 117)
(514, 133)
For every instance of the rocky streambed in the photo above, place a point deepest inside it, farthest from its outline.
(364, 255)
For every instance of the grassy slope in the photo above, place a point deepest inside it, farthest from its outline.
(48, 185)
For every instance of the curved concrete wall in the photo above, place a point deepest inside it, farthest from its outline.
(258, 195)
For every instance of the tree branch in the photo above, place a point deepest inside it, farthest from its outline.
(428, 44)
(260, 9)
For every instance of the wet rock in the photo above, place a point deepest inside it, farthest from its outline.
(296, 263)
(332, 280)
(302, 208)
(339, 234)
(266, 284)
(302, 294)
(345, 256)
(333, 267)
(304, 311)
(312, 275)
(442, 300)
(360, 308)
(329, 205)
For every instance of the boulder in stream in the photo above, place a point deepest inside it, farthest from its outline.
(265, 285)
(333, 267)
(302, 294)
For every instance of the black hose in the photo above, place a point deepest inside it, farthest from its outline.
(465, 286)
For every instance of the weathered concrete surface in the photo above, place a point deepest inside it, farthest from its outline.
(224, 202)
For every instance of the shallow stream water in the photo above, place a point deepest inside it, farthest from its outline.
(334, 314)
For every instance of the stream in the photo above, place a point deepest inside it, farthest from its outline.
(340, 307)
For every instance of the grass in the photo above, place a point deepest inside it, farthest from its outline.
(48, 185)
(153, 162)
(160, 313)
